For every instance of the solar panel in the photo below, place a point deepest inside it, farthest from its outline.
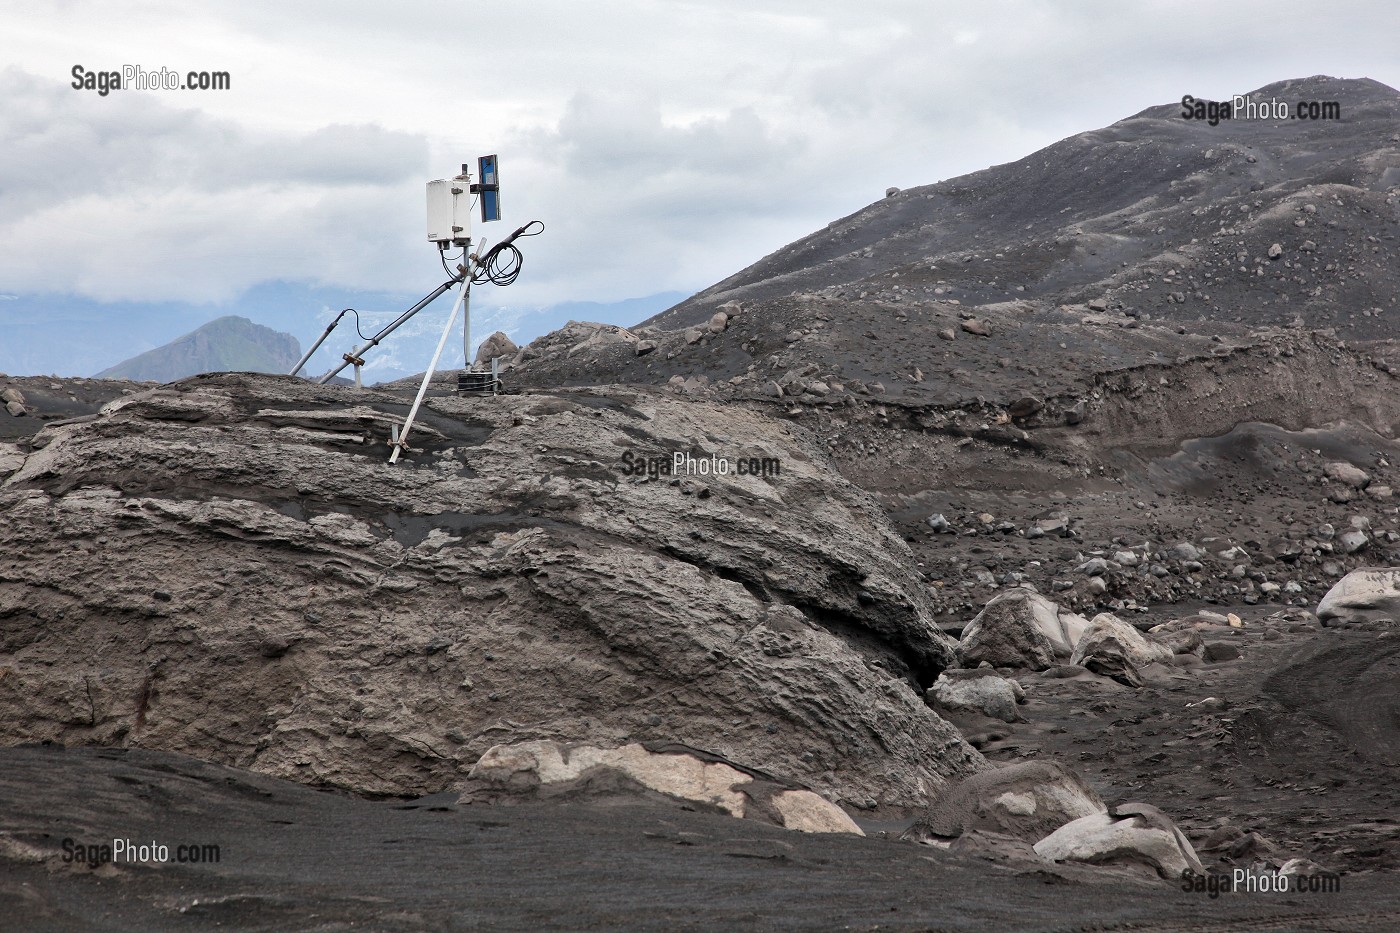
(490, 188)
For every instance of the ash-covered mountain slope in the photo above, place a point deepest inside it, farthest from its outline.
(1066, 338)
(229, 567)
(1155, 214)
(1125, 249)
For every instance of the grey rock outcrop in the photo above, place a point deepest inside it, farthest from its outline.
(228, 567)
(11, 458)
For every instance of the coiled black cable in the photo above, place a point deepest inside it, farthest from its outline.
(502, 263)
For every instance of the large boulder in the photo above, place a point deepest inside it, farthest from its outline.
(1134, 834)
(1362, 595)
(1025, 800)
(676, 771)
(228, 567)
(1113, 648)
(1020, 628)
(498, 344)
(978, 691)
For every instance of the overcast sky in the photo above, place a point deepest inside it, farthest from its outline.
(664, 144)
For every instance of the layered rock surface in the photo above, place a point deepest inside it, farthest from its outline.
(228, 567)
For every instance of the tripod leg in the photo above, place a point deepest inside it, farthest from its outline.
(428, 376)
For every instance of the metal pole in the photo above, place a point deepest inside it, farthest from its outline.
(467, 363)
(317, 345)
(374, 341)
(428, 376)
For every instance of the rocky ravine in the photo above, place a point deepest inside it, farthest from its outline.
(228, 567)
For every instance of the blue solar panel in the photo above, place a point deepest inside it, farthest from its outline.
(490, 195)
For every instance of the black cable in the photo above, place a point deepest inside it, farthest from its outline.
(502, 263)
(442, 258)
(343, 312)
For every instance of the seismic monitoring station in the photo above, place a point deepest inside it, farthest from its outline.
(450, 205)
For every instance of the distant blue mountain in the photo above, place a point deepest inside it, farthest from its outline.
(66, 335)
(226, 344)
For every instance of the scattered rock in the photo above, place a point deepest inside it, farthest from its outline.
(1239, 846)
(1216, 651)
(1113, 648)
(1353, 541)
(1056, 523)
(718, 322)
(976, 327)
(1024, 407)
(1343, 472)
(274, 646)
(1304, 867)
(1186, 551)
(1185, 640)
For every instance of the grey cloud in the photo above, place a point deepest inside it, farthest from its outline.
(665, 144)
(60, 142)
(145, 192)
